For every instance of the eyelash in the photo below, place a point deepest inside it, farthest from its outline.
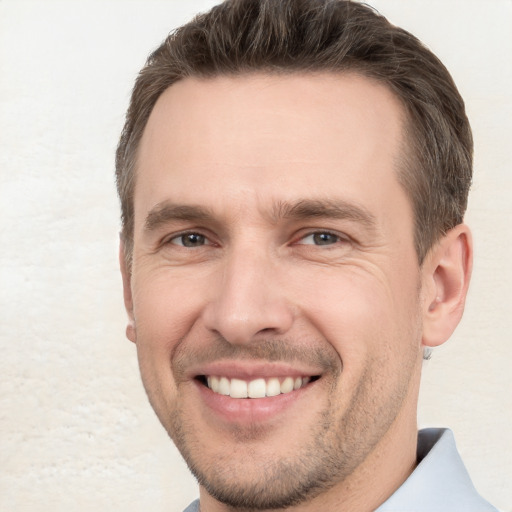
(337, 238)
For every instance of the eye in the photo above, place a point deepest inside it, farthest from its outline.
(320, 238)
(189, 240)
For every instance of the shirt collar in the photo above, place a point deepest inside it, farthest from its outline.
(440, 481)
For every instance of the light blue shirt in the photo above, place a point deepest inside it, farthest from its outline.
(440, 482)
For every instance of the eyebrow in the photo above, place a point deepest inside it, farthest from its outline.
(166, 212)
(324, 209)
(302, 209)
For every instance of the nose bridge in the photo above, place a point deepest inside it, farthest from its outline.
(249, 299)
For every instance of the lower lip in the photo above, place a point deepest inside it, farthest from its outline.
(250, 410)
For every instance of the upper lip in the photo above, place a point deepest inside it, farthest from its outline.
(247, 370)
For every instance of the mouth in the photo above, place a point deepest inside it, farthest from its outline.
(254, 388)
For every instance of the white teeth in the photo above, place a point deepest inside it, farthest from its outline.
(257, 388)
(287, 385)
(224, 386)
(273, 387)
(238, 389)
(213, 384)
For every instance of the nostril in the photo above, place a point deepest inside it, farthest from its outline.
(267, 330)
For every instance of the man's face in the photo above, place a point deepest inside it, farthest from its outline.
(274, 256)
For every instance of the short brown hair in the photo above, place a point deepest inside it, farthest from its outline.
(287, 36)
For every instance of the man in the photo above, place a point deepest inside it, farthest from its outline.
(293, 177)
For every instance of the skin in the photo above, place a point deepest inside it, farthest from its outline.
(302, 262)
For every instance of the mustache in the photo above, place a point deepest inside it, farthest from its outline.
(319, 354)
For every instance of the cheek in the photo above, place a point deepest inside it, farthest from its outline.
(164, 314)
(361, 313)
(375, 329)
(164, 309)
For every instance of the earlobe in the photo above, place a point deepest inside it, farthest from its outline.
(127, 292)
(446, 274)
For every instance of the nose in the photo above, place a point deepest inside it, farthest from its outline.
(249, 300)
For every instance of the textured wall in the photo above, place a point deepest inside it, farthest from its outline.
(76, 432)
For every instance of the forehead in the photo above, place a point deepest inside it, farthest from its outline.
(269, 136)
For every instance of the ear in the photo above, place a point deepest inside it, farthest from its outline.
(127, 292)
(446, 275)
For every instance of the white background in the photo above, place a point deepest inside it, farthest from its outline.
(76, 432)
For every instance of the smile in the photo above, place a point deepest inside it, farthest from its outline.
(256, 388)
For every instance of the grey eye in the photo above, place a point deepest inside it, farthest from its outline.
(190, 240)
(324, 238)
(320, 238)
